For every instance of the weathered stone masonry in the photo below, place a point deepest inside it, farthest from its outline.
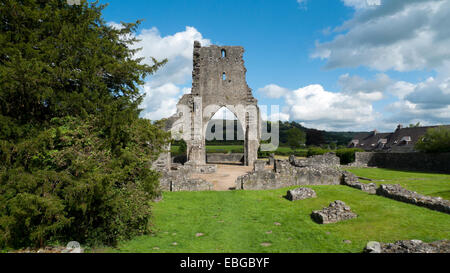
(398, 193)
(219, 80)
(179, 180)
(288, 173)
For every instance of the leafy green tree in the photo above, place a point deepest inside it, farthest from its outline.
(414, 125)
(436, 140)
(296, 138)
(75, 158)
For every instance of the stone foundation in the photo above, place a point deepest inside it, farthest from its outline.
(285, 175)
(351, 180)
(398, 193)
(413, 246)
(336, 212)
(179, 180)
(192, 185)
(301, 194)
(326, 160)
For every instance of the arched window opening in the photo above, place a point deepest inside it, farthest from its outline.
(224, 76)
(224, 53)
(224, 139)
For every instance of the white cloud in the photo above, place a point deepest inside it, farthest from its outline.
(162, 89)
(406, 112)
(400, 35)
(176, 48)
(364, 89)
(401, 89)
(315, 107)
(273, 91)
(361, 4)
(160, 102)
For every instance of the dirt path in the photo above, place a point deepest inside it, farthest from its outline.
(225, 177)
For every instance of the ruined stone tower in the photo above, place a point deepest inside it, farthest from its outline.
(218, 80)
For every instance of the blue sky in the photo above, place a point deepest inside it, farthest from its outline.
(329, 64)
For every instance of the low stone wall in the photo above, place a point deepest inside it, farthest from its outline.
(412, 246)
(179, 180)
(192, 185)
(405, 161)
(398, 193)
(285, 175)
(352, 180)
(196, 168)
(225, 158)
(329, 159)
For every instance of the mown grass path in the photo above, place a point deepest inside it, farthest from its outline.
(264, 221)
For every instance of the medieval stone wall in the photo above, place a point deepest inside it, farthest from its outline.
(179, 180)
(329, 159)
(398, 193)
(286, 174)
(405, 161)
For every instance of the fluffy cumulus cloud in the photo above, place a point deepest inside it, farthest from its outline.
(162, 90)
(427, 101)
(161, 101)
(273, 91)
(402, 36)
(369, 90)
(315, 107)
(399, 35)
(176, 48)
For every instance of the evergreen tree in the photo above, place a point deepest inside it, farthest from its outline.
(75, 158)
(58, 59)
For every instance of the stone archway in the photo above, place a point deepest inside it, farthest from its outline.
(224, 128)
(218, 80)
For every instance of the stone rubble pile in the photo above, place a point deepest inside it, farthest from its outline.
(336, 212)
(301, 194)
(398, 193)
(412, 246)
(351, 180)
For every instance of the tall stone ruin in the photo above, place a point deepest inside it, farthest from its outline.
(218, 80)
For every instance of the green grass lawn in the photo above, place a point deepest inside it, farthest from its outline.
(424, 183)
(240, 221)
